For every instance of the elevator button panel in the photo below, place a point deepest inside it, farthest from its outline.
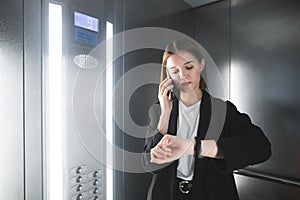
(86, 185)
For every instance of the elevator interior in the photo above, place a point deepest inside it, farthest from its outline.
(70, 96)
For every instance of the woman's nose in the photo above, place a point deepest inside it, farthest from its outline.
(182, 74)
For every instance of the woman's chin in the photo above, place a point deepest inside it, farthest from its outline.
(186, 89)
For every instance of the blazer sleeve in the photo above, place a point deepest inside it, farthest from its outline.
(153, 136)
(241, 142)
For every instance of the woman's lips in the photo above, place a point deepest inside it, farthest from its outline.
(185, 83)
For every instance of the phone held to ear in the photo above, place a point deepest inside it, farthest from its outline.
(170, 93)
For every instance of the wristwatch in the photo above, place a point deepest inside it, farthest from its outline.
(197, 148)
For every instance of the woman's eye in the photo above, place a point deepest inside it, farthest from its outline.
(189, 67)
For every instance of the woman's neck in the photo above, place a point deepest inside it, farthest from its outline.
(191, 98)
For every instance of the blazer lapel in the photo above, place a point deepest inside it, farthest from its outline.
(172, 129)
(205, 114)
(200, 164)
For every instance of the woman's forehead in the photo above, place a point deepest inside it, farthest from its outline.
(180, 58)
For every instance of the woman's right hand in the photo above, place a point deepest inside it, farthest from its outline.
(171, 148)
(165, 105)
(165, 102)
(161, 152)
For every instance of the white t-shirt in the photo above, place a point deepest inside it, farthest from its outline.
(187, 126)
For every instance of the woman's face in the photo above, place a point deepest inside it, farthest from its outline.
(185, 70)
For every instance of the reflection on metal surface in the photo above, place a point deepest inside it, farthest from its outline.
(197, 3)
(265, 76)
(256, 188)
(267, 177)
(238, 83)
(85, 61)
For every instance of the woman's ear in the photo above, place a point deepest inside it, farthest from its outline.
(202, 64)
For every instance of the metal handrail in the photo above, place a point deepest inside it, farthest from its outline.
(268, 177)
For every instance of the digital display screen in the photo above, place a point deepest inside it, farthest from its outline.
(86, 21)
(85, 36)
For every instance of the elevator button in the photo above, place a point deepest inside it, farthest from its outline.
(79, 170)
(96, 174)
(79, 179)
(79, 197)
(96, 182)
(79, 188)
(96, 191)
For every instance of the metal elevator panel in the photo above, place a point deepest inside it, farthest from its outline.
(33, 99)
(251, 188)
(11, 103)
(84, 30)
(265, 76)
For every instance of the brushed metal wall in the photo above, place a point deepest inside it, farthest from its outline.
(262, 81)
(257, 188)
(11, 101)
(265, 46)
(264, 76)
(33, 133)
(21, 99)
(212, 30)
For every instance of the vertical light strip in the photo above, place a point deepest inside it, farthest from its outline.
(54, 105)
(109, 110)
(236, 82)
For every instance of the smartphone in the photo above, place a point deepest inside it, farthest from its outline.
(170, 92)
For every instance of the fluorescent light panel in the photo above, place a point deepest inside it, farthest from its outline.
(54, 105)
(109, 109)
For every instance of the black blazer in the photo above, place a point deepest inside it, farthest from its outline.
(241, 142)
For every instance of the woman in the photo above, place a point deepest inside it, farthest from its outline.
(186, 163)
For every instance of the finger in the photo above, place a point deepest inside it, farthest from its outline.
(156, 154)
(163, 82)
(163, 152)
(167, 149)
(164, 95)
(164, 85)
(165, 92)
(165, 146)
(159, 153)
(157, 161)
(169, 87)
(167, 83)
(166, 141)
(160, 161)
